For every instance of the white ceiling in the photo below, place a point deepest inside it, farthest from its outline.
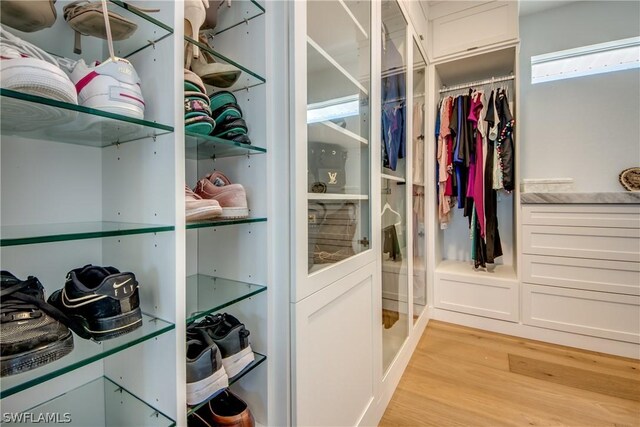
(526, 6)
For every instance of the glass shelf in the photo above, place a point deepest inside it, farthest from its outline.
(84, 353)
(259, 358)
(69, 123)
(332, 196)
(59, 39)
(346, 41)
(329, 132)
(223, 222)
(13, 235)
(240, 12)
(200, 147)
(100, 402)
(320, 62)
(248, 78)
(207, 294)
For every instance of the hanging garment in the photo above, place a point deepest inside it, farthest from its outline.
(393, 107)
(480, 159)
(492, 120)
(504, 143)
(393, 135)
(444, 169)
(390, 244)
(418, 143)
(492, 236)
(458, 127)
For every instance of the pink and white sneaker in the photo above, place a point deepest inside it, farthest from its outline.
(26, 68)
(199, 209)
(232, 197)
(112, 86)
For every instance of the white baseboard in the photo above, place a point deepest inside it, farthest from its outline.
(617, 348)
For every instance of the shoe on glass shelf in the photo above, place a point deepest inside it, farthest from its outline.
(193, 83)
(195, 12)
(30, 334)
(27, 68)
(232, 338)
(205, 372)
(226, 409)
(232, 197)
(102, 302)
(112, 86)
(211, 72)
(199, 209)
(28, 16)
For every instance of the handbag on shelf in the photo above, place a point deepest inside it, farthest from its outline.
(327, 166)
(332, 227)
(28, 16)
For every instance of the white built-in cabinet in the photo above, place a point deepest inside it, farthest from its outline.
(461, 27)
(581, 265)
(344, 364)
(100, 188)
(569, 273)
(491, 292)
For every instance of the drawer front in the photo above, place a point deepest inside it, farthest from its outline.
(497, 301)
(494, 22)
(615, 244)
(587, 274)
(582, 215)
(596, 314)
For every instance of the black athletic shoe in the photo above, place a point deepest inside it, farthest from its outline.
(101, 302)
(30, 334)
(232, 338)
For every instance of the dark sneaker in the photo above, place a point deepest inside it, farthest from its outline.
(30, 335)
(205, 373)
(101, 302)
(232, 339)
(225, 409)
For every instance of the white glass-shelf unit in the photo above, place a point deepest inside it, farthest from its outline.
(82, 185)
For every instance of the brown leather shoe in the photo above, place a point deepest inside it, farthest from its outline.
(224, 410)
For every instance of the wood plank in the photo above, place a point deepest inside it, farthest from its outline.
(612, 385)
(461, 376)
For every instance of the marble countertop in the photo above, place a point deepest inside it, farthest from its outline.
(626, 197)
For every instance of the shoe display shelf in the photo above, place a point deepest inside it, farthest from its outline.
(75, 190)
(101, 398)
(84, 353)
(226, 263)
(259, 358)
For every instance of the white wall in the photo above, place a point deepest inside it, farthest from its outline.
(584, 128)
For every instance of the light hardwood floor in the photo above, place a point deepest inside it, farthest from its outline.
(460, 376)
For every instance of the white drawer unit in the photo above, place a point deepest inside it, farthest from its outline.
(615, 244)
(598, 314)
(601, 216)
(579, 273)
(484, 25)
(489, 294)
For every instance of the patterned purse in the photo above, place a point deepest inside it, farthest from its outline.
(327, 167)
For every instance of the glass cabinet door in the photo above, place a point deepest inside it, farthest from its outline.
(338, 159)
(418, 207)
(395, 305)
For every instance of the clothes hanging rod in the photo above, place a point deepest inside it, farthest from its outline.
(478, 83)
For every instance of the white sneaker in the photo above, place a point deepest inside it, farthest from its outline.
(112, 86)
(28, 69)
